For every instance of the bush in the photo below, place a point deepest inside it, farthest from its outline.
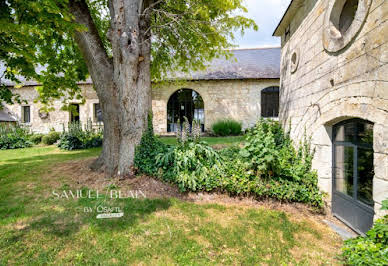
(371, 249)
(285, 171)
(147, 150)
(227, 127)
(76, 137)
(267, 166)
(192, 165)
(51, 138)
(36, 138)
(14, 137)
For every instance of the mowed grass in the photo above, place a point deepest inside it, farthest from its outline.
(38, 228)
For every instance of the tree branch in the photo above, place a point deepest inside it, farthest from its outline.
(89, 42)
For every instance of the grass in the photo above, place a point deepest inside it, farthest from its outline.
(210, 140)
(38, 228)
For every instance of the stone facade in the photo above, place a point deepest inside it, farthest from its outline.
(57, 118)
(237, 99)
(327, 77)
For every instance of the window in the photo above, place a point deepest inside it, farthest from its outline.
(97, 113)
(270, 102)
(343, 21)
(287, 33)
(185, 103)
(347, 16)
(26, 114)
(74, 113)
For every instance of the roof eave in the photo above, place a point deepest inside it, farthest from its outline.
(290, 12)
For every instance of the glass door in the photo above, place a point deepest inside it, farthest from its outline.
(353, 173)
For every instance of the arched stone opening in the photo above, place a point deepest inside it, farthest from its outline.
(353, 173)
(185, 103)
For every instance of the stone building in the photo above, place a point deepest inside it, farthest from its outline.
(334, 88)
(243, 88)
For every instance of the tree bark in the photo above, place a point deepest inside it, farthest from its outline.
(123, 85)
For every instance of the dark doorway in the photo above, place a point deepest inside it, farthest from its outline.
(353, 173)
(270, 102)
(185, 103)
(74, 112)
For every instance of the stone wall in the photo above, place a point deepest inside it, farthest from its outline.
(57, 118)
(320, 88)
(237, 99)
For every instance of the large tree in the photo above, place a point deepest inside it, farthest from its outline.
(122, 45)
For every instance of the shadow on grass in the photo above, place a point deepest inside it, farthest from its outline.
(70, 221)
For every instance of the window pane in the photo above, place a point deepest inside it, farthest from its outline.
(344, 169)
(365, 133)
(365, 176)
(346, 132)
(26, 114)
(355, 131)
(97, 112)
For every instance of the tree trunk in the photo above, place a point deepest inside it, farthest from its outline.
(123, 85)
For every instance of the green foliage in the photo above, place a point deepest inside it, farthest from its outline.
(267, 167)
(188, 33)
(283, 172)
(76, 137)
(36, 138)
(192, 165)
(371, 249)
(51, 138)
(14, 137)
(150, 146)
(227, 127)
(185, 35)
(384, 205)
(37, 33)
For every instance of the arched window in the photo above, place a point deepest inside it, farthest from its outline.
(185, 103)
(353, 173)
(270, 102)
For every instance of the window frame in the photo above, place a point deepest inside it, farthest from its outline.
(23, 116)
(95, 115)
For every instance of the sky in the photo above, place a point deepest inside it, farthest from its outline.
(267, 15)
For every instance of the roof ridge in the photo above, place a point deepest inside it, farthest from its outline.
(255, 48)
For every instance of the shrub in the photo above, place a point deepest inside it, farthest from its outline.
(51, 138)
(36, 138)
(371, 249)
(227, 127)
(76, 137)
(192, 165)
(284, 172)
(267, 166)
(14, 137)
(145, 154)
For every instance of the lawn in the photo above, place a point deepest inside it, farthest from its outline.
(38, 228)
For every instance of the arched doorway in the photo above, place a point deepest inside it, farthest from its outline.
(185, 103)
(353, 173)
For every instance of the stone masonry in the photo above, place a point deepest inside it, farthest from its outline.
(325, 80)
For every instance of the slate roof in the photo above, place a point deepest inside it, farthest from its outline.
(255, 63)
(5, 117)
(259, 63)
